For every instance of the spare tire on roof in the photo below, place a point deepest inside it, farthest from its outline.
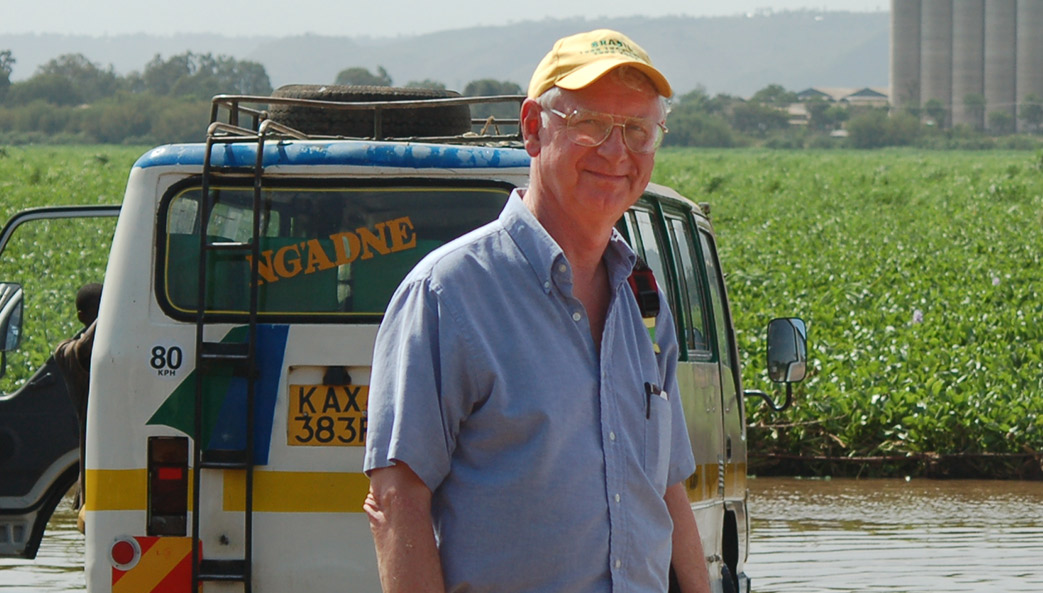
(441, 120)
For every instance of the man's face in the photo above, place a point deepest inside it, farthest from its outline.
(88, 315)
(596, 182)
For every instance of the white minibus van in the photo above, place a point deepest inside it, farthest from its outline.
(245, 282)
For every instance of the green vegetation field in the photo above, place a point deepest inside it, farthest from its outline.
(918, 274)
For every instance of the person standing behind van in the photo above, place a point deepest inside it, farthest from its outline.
(524, 435)
(73, 357)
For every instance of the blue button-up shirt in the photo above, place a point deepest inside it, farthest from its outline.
(547, 462)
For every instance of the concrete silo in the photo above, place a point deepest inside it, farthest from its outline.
(936, 54)
(1000, 46)
(1029, 61)
(968, 63)
(905, 53)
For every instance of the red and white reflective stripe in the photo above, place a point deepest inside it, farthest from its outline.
(150, 564)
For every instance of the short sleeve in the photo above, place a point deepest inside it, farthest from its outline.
(416, 399)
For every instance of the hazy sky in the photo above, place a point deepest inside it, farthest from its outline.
(374, 18)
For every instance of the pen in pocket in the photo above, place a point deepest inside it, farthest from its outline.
(650, 390)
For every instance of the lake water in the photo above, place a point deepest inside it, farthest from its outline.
(58, 567)
(809, 536)
(896, 536)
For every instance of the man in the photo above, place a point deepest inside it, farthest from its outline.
(73, 357)
(524, 435)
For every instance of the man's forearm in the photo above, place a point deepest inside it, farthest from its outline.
(399, 511)
(688, 559)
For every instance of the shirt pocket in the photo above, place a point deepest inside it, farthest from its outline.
(657, 439)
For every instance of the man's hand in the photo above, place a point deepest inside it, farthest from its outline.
(399, 509)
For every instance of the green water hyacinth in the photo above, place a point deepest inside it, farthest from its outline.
(919, 274)
(853, 241)
(53, 258)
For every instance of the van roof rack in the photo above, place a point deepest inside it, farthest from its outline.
(245, 117)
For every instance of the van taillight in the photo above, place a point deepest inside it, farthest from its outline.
(167, 485)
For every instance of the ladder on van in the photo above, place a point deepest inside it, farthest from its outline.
(239, 357)
(235, 357)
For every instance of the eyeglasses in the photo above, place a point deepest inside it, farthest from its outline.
(590, 128)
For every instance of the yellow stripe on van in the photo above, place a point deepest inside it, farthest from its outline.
(321, 492)
(703, 484)
(116, 489)
(120, 490)
(274, 492)
(297, 492)
(735, 480)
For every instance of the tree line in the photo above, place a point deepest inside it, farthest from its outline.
(71, 99)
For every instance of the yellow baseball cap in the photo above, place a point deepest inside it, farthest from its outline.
(578, 60)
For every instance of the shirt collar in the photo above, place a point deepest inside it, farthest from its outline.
(544, 254)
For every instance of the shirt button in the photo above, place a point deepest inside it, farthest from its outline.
(562, 268)
(576, 316)
(617, 497)
(611, 436)
(546, 285)
(619, 563)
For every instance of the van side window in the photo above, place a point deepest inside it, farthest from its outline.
(650, 249)
(331, 251)
(647, 242)
(721, 316)
(691, 312)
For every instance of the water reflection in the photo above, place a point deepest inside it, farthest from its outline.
(58, 567)
(895, 536)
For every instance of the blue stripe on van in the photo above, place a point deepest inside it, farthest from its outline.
(224, 398)
(341, 152)
(228, 431)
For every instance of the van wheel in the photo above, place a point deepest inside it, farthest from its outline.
(445, 120)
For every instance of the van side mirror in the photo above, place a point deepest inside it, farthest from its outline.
(787, 350)
(787, 358)
(10, 321)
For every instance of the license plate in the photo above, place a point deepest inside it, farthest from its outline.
(327, 415)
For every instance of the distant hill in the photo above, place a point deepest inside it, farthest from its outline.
(736, 55)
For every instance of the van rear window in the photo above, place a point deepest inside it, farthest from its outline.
(324, 252)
